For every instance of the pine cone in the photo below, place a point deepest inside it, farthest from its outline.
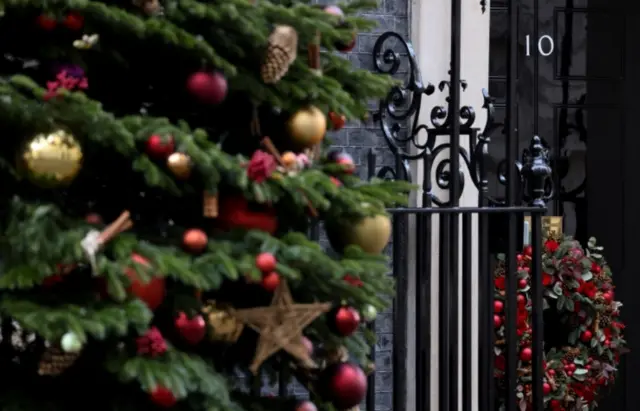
(54, 361)
(571, 354)
(282, 51)
(605, 321)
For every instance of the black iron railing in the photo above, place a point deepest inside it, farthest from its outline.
(462, 231)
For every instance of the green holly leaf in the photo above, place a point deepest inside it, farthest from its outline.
(557, 288)
(570, 305)
(587, 276)
(561, 300)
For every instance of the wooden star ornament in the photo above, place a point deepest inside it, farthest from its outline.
(280, 326)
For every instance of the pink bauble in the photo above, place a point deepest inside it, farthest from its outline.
(210, 88)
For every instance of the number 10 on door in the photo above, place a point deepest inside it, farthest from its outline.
(545, 45)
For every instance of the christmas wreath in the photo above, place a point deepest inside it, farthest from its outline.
(583, 337)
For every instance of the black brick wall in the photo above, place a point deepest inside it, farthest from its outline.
(357, 139)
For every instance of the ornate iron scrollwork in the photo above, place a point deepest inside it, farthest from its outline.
(409, 139)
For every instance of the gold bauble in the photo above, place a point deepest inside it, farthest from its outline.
(222, 326)
(371, 234)
(51, 160)
(180, 165)
(307, 127)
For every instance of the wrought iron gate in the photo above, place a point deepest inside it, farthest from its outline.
(440, 229)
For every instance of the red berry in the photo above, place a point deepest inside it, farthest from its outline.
(522, 283)
(607, 343)
(554, 404)
(497, 321)
(595, 268)
(163, 397)
(526, 269)
(586, 336)
(519, 257)
(608, 297)
(570, 373)
(521, 299)
(46, 22)
(498, 306)
(271, 281)
(528, 251)
(572, 367)
(526, 354)
(546, 388)
(74, 21)
(552, 372)
(266, 262)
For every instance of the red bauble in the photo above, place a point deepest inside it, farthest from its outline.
(210, 88)
(160, 147)
(266, 262)
(497, 321)
(586, 336)
(153, 292)
(271, 281)
(74, 21)
(346, 161)
(163, 397)
(195, 240)
(192, 330)
(337, 120)
(546, 388)
(93, 219)
(46, 22)
(528, 251)
(608, 297)
(522, 283)
(345, 321)
(498, 306)
(334, 10)
(306, 406)
(346, 47)
(526, 354)
(234, 213)
(521, 299)
(344, 384)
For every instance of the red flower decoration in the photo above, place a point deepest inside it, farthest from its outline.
(551, 246)
(588, 289)
(151, 343)
(354, 281)
(261, 166)
(65, 81)
(547, 279)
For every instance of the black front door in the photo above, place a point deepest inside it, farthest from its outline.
(579, 89)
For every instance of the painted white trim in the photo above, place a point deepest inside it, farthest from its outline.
(430, 34)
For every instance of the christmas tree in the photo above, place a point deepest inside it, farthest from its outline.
(163, 163)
